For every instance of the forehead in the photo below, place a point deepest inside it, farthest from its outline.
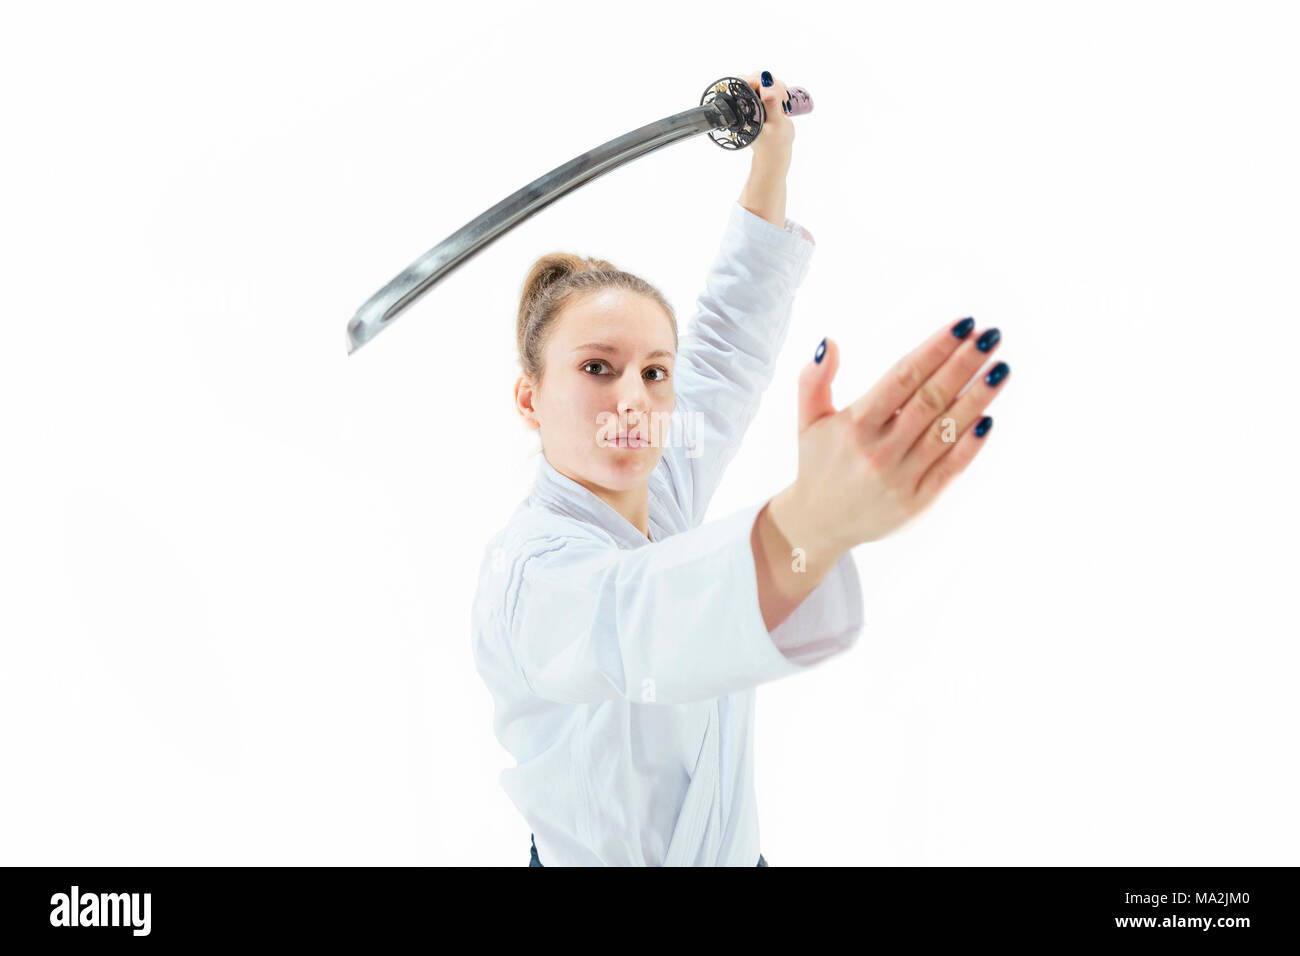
(618, 317)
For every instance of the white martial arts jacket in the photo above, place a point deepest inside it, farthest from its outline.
(622, 668)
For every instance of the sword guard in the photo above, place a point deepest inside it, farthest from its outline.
(735, 99)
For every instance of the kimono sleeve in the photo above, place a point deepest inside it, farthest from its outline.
(727, 356)
(670, 622)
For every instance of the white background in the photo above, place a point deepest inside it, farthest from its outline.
(236, 563)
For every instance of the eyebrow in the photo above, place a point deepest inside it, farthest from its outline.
(606, 347)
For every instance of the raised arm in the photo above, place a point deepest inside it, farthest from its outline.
(727, 356)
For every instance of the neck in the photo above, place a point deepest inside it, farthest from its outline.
(632, 503)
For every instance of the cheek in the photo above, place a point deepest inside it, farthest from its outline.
(583, 412)
(570, 402)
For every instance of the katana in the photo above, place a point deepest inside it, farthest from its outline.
(730, 112)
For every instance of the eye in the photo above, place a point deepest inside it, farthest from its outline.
(659, 368)
(593, 362)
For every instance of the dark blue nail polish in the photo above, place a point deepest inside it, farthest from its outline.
(984, 425)
(962, 328)
(988, 340)
(767, 78)
(997, 373)
(821, 351)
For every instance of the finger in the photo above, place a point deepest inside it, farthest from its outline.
(776, 98)
(939, 475)
(876, 407)
(931, 403)
(945, 430)
(815, 384)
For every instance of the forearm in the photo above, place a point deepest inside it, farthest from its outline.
(764, 192)
(789, 559)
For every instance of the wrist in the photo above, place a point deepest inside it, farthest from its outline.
(801, 524)
(764, 196)
(770, 163)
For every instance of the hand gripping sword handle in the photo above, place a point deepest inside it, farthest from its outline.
(743, 112)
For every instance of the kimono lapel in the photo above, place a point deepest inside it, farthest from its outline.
(562, 495)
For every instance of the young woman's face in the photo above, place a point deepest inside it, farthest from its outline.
(606, 397)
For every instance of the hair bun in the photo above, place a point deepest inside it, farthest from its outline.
(550, 269)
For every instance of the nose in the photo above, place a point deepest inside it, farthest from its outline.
(631, 412)
(633, 403)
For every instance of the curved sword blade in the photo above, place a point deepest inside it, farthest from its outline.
(420, 276)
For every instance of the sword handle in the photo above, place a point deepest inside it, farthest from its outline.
(800, 100)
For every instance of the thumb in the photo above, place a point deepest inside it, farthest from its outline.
(815, 385)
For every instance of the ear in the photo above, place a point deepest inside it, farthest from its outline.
(524, 392)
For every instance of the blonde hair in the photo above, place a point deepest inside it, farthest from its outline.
(553, 282)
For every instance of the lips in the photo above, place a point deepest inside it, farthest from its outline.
(634, 439)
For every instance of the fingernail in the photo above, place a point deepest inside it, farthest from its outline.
(962, 328)
(988, 340)
(984, 425)
(821, 351)
(997, 373)
(767, 78)
(785, 107)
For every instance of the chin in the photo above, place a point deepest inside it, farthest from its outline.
(621, 470)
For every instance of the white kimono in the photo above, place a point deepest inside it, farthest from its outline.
(622, 667)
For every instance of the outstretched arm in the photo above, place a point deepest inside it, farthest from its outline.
(682, 620)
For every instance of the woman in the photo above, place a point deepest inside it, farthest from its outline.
(622, 639)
